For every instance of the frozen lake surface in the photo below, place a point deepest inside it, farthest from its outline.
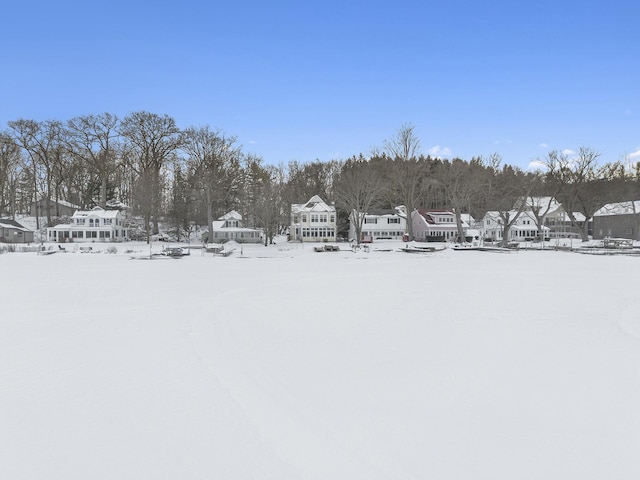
(284, 363)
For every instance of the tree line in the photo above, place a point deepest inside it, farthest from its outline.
(189, 177)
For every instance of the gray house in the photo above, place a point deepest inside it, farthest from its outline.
(58, 208)
(618, 220)
(12, 232)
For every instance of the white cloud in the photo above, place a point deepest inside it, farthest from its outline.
(635, 155)
(544, 145)
(252, 142)
(439, 152)
(536, 165)
(568, 151)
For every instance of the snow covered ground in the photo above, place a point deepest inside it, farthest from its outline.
(282, 363)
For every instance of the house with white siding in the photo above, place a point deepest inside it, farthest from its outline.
(230, 227)
(95, 225)
(313, 221)
(524, 228)
(379, 225)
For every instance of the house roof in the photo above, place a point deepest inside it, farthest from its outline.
(428, 215)
(315, 204)
(96, 212)
(621, 208)
(232, 215)
(8, 223)
(60, 202)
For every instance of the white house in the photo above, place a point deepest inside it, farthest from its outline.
(523, 229)
(230, 227)
(554, 216)
(314, 221)
(379, 225)
(432, 225)
(96, 225)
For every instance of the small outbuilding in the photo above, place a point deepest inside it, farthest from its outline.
(13, 232)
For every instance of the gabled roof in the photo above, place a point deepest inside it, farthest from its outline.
(232, 215)
(622, 208)
(96, 212)
(315, 204)
(8, 223)
(429, 214)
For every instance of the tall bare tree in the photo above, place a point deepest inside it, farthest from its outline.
(42, 143)
(509, 186)
(270, 209)
(578, 188)
(463, 184)
(214, 160)
(93, 139)
(9, 171)
(152, 141)
(357, 188)
(407, 172)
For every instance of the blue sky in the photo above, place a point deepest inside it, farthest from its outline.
(323, 80)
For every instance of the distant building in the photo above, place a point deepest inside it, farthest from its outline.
(524, 228)
(13, 232)
(380, 225)
(95, 225)
(314, 221)
(433, 225)
(618, 220)
(554, 216)
(230, 227)
(58, 208)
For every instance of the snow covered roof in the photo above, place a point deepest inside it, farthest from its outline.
(622, 208)
(7, 223)
(315, 204)
(96, 212)
(232, 215)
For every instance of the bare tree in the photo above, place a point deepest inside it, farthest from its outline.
(407, 172)
(42, 143)
(270, 209)
(9, 171)
(211, 156)
(93, 138)
(357, 188)
(463, 184)
(578, 189)
(508, 189)
(152, 140)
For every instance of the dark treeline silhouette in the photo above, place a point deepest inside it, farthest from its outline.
(189, 177)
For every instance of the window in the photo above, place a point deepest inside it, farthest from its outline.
(304, 219)
(314, 218)
(393, 220)
(333, 219)
(370, 220)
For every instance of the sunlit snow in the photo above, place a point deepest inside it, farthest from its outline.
(283, 363)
